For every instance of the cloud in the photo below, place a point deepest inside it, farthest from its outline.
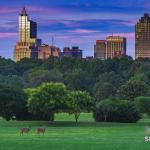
(46, 10)
(4, 35)
(83, 31)
(6, 10)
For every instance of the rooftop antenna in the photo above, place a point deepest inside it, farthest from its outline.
(52, 40)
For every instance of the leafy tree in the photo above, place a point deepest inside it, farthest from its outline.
(77, 80)
(78, 102)
(125, 63)
(116, 111)
(132, 89)
(112, 78)
(46, 99)
(7, 67)
(26, 64)
(66, 64)
(36, 77)
(103, 90)
(12, 80)
(12, 103)
(143, 104)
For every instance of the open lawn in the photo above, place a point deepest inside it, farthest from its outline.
(64, 134)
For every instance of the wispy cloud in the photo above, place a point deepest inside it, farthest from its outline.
(8, 35)
(6, 10)
(83, 31)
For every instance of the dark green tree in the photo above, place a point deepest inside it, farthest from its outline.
(143, 104)
(36, 77)
(103, 90)
(12, 103)
(116, 111)
(132, 89)
(46, 100)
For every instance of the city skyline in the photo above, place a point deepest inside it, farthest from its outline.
(72, 24)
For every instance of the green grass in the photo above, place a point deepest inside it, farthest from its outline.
(84, 117)
(64, 134)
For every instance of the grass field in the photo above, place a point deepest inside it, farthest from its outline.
(64, 134)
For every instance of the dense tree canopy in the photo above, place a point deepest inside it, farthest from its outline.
(132, 89)
(122, 78)
(143, 104)
(12, 103)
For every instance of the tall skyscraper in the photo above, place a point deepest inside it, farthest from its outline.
(115, 46)
(100, 49)
(27, 28)
(142, 37)
(27, 46)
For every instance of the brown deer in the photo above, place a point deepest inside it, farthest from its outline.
(24, 130)
(41, 130)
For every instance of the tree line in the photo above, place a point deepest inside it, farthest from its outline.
(114, 89)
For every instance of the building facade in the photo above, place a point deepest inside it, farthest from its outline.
(115, 46)
(27, 28)
(73, 52)
(46, 51)
(100, 49)
(142, 37)
(27, 47)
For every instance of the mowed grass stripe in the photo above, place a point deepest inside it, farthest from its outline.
(67, 135)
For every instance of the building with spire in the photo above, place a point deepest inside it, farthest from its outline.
(27, 47)
(142, 37)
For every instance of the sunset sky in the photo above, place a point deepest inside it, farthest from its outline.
(72, 22)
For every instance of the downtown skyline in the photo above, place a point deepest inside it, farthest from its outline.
(78, 23)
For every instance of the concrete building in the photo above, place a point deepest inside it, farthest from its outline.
(73, 52)
(142, 37)
(115, 46)
(100, 49)
(46, 51)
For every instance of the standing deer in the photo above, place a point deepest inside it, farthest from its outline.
(24, 130)
(40, 130)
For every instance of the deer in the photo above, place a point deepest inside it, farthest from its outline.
(24, 130)
(41, 130)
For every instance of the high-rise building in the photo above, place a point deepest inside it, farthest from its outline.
(115, 46)
(73, 52)
(142, 37)
(27, 47)
(46, 51)
(100, 49)
(27, 28)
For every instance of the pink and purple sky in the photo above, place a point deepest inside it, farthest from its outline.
(72, 23)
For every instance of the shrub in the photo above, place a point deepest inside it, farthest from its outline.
(143, 104)
(116, 111)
